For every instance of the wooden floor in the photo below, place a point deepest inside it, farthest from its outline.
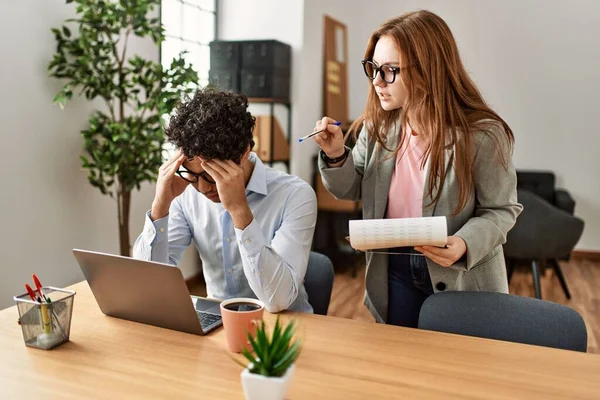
(582, 275)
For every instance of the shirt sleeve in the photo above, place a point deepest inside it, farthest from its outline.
(275, 269)
(166, 239)
(497, 206)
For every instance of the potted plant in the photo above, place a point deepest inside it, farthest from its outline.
(124, 140)
(271, 362)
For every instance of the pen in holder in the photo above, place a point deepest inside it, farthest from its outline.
(46, 325)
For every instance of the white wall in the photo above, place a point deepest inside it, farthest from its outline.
(48, 207)
(310, 106)
(298, 23)
(535, 61)
(271, 19)
(537, 64)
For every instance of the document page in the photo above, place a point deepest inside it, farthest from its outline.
(370, 234)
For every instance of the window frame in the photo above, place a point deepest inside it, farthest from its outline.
(198, 42)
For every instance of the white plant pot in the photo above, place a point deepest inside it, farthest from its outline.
(259, 387)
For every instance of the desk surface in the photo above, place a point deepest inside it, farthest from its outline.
(342, 359)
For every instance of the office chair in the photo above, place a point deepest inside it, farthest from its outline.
(318, 282)
(543, 183)
(504, 317)
(542, 232)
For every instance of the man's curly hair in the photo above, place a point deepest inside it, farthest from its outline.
(214, 124)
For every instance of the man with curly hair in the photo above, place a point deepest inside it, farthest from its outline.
(252, 225)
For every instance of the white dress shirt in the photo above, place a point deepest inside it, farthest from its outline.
(267, 260)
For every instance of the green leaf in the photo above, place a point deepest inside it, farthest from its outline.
(276, 333)
(285, 341)
(60, 100)
(273, 355)
(258, 349)
(288, 358)
(66, 31)
(57, 34)
(248, 355)
(238, 362)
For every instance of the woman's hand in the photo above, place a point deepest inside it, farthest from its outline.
(455, 249)
(331, 140)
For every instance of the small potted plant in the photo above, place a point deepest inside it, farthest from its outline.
(269, 374)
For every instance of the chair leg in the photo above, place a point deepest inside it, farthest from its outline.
(510, 264)
(561, 278)
(535, 269)
(543, 265)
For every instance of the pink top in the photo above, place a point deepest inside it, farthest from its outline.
(405, 198)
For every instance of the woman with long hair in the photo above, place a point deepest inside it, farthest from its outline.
(429, 146)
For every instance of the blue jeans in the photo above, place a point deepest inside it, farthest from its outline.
(409, 284)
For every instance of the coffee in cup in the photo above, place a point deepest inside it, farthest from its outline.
(240, 317)
(242, 306)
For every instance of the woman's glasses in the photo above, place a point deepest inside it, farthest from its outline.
(192, 177)
(388, 72)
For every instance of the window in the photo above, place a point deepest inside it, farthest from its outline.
(190, 25)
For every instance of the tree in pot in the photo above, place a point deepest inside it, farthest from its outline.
(124, 141)
(271, 363)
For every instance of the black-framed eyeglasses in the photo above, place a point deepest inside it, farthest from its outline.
(192, 177)
(388, 72)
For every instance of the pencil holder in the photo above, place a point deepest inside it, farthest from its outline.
(46, 325)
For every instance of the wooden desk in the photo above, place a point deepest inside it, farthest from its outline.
(342, 359)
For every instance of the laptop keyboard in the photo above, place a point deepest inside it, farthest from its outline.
(207, 319)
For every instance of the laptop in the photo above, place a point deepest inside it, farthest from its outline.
(147, 292)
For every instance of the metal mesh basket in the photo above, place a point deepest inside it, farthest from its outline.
(46, 325)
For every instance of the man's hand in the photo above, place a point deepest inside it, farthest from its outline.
(445, 257)
(232, 190)
(168, 186)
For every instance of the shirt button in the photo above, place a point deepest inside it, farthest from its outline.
(230, 270)
(151, 231)
(248, 241)
(228, 240)
(162, 230)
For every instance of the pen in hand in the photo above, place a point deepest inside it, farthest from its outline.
(302, 139)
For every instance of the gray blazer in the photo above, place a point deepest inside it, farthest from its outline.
(483, 223)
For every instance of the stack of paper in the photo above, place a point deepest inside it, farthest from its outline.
(369, 234)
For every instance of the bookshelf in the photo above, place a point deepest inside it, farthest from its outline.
(272, 143)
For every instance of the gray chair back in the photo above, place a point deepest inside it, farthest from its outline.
(541, 183)
(318, 282)
(504, 317)
(542, 231)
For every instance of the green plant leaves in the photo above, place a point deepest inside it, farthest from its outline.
(273, 355)
(124, 142)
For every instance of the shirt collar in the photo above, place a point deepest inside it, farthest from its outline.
(258, 179)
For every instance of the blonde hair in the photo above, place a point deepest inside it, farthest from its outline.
(441, 97)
